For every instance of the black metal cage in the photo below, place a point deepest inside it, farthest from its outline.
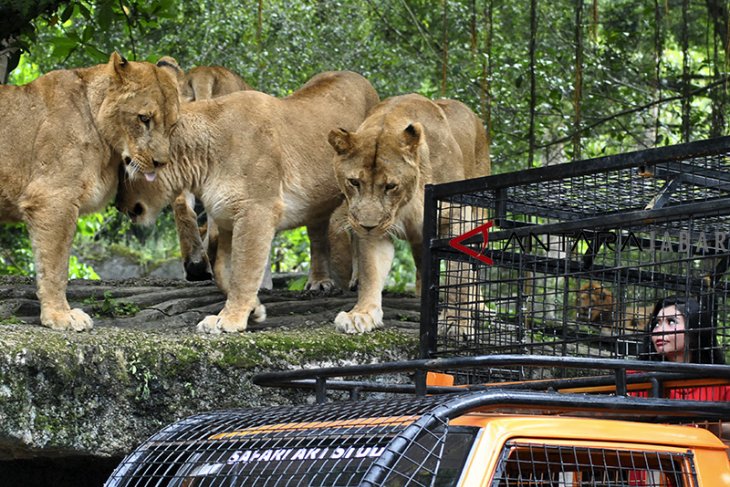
(569, 260)
(405, 441)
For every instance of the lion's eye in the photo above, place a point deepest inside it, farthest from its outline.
(145, 119)
(390, 187)
(354, 183)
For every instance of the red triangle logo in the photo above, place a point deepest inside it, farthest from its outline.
(483, 230)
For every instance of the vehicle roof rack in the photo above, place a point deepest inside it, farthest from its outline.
(620, 373)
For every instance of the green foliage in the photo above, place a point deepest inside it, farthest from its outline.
(138, 367)
(402, 276)
(109, 307)
(630, 92)
(291, 251)
(16, 256)
(11, 320)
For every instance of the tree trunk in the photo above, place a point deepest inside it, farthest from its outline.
(533, 82)
(445, 48)
(658, 56)
(485, 96)
(686, 87)
(578, 86)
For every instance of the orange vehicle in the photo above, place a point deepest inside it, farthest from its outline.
(527, 434)
(499, 436)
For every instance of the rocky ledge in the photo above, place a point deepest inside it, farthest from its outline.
(100, 393)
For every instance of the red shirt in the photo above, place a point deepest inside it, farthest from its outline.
(717, 392)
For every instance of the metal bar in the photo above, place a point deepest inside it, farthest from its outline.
(708, 178)
(648, 157)
(574, 228)
(621, 389)
(429, 277)
(698, 370)
(420, 382)
(320, 389)
(654, 378)
(556, 266)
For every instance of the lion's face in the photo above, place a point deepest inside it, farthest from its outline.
(593, 301)
(378, 171)
(142, 200)
(137, 115)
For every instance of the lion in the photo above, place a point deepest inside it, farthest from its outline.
(204, 82)
(259, 164)
(65, 136)
(595, 303)
(406, 142)
(198, 251)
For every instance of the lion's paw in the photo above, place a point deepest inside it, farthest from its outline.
(197, 271)
(216, 324)
(73, 319)
(320, 285)
(259, 313)
(210, 324)
(359, 322)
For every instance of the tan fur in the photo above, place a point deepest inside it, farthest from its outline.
(198, 252)
(259, 164)
(405, 143)
(204, 82)
(596, 304)
(64, 136)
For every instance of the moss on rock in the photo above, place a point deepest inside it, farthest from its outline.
(105, 391)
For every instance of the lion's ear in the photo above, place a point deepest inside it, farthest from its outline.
(119, 64)
(341, 140)
(411, 136)
(171, 65)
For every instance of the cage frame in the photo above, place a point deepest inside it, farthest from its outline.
(666, 161)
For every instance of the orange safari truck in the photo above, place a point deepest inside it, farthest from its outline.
(484, 436)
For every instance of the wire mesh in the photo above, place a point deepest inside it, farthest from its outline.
(542, 465)
(570, 260)
(328, 445)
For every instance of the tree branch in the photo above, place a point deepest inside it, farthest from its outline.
(129, 28)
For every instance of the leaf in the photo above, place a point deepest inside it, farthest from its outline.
(88, 33)
(105, 16)
(83, 10)
(96, 54)
(67, 12)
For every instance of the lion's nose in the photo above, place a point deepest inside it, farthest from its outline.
(137, 210)
(157, 163)
(128, 160)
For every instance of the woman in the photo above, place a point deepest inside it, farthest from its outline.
(680, 331)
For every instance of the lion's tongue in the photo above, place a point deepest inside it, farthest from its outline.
(150, 176)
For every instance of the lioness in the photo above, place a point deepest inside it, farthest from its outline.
(405, 143)
(64, 136)
(595, 304)
(198, 255)
(259, 164)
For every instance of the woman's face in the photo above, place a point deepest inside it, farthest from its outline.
(668, 334)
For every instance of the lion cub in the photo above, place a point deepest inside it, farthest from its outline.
(405, 143)
(259, 164)
(64, 136)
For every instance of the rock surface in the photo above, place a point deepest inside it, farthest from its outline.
(102, 392)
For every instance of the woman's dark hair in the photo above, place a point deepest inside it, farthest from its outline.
(701, 341)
